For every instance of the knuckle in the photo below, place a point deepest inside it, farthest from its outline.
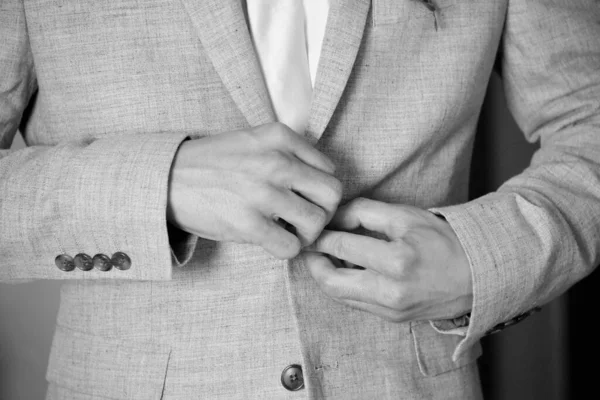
(360, 203)
(396, 298)
(263, 194)
(277, 161)
(410, 256)
(272, 134)
(282, 246)
(409, 260)
(318, 219)
(258, 133)
(402, 257)
(279, 132)
(312, 230)
(306, 238)
(289, 249)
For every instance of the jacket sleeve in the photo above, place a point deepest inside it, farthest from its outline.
(104, 196)
(539, 233)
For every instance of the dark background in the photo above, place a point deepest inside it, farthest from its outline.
(549, 356)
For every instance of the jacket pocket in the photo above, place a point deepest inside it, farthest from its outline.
(107, 368)
(434, 350)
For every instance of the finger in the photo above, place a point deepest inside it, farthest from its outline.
(370, 214)
(307, 218)
(364, 286)
(272, 237)
(342, 283)
(364, 251)
(301, 148)
(316, 186)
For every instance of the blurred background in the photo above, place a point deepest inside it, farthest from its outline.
(545, 357)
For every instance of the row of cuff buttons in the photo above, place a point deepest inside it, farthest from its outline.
(513, 321)
(101, 262)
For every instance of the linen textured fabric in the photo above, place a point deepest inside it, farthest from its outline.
(104, 92)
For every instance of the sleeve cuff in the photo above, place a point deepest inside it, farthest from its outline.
(495, 275)
(105, 197)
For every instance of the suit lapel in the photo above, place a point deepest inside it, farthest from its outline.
(343, 35)
(224, 33)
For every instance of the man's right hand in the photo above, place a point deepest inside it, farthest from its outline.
(238, 186)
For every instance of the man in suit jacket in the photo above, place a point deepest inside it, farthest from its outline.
(155, 181)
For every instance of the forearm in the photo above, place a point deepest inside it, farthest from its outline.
(538, 234)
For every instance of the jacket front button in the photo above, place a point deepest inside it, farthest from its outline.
(83, 262)
(292, 378)
(64, 262)
(121, 261)
(102, 262)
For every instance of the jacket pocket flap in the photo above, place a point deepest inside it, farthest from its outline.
(434, 350)
(110, 368)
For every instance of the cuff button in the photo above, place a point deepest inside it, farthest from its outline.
(513, 321)
(121, 261)
(83, 262)
(102, 262)
(64, 262)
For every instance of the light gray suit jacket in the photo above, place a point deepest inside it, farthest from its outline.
(104, 91)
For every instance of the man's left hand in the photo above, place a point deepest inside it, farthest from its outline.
(420, 272)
